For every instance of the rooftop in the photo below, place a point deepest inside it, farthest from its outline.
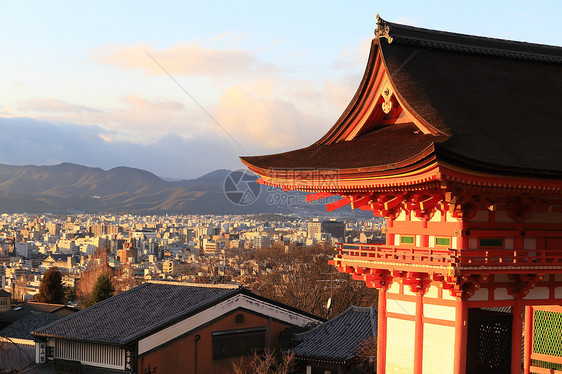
(338, 339)
(462, 100)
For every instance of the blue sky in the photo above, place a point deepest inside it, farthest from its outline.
(79, 85)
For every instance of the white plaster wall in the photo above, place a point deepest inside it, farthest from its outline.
(400, 346)
(545, 217)
(481, 294)
(401, 216)
(481, 216)
(433, 292)
(408, 292)
(438, 349)
(538, 293)
(394, 288)
(501, 216)
(436, 216)
(401, 307)
(449, 218)
(439, 312)
(447, 295)
(501, 294)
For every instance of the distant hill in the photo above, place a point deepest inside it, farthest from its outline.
(70, 188)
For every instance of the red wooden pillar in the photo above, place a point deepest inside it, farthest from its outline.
(516, 337)
(461, 328)
(381, 332)
(389, 236)
(528, 339)
(418, 345)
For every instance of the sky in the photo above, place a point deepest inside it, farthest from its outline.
(182, 88)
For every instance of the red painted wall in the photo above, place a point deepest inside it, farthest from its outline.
(179, 356)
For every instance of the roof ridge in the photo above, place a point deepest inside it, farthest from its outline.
(322, 325)
(202, 285)
(406, 34)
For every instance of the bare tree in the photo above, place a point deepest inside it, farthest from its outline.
(366, 358)
(13, 356)
(301, 277)
(269, 362)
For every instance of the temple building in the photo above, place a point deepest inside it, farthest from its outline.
(456, 141)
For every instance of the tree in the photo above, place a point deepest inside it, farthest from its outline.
(103, 289)
(269, 362)
(51, 289)
(122, 279)
(302, 278)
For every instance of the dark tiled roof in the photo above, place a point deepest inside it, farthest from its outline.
(15, 356)
(22, 310)
(3, 292)
(22, 328)
(495, 104)
(135, 313)
(339, 338)
(487, 104)
(471, 44)
(384, 146)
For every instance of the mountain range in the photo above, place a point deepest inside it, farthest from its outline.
(69, 188)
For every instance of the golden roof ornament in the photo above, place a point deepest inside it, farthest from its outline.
(382, 30)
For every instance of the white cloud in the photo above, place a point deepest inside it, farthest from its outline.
(183, 59)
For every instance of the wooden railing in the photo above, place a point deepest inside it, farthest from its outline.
(448, 257)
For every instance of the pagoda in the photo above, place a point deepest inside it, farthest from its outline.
(456, 141)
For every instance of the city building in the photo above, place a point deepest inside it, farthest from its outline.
(332, 227)
(445, 139)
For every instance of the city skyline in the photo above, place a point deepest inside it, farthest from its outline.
(89, 83)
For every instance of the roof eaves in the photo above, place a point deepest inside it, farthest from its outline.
(394, 32)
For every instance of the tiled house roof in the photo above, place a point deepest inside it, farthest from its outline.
(338, 339)
(22, 328)
(135, 313)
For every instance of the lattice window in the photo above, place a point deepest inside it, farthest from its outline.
(547, 337)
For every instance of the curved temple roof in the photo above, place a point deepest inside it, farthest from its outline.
(480, 103)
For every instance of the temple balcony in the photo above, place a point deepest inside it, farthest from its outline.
(359, 258)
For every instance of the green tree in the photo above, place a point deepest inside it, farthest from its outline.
(51, 289)
(103, 289)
